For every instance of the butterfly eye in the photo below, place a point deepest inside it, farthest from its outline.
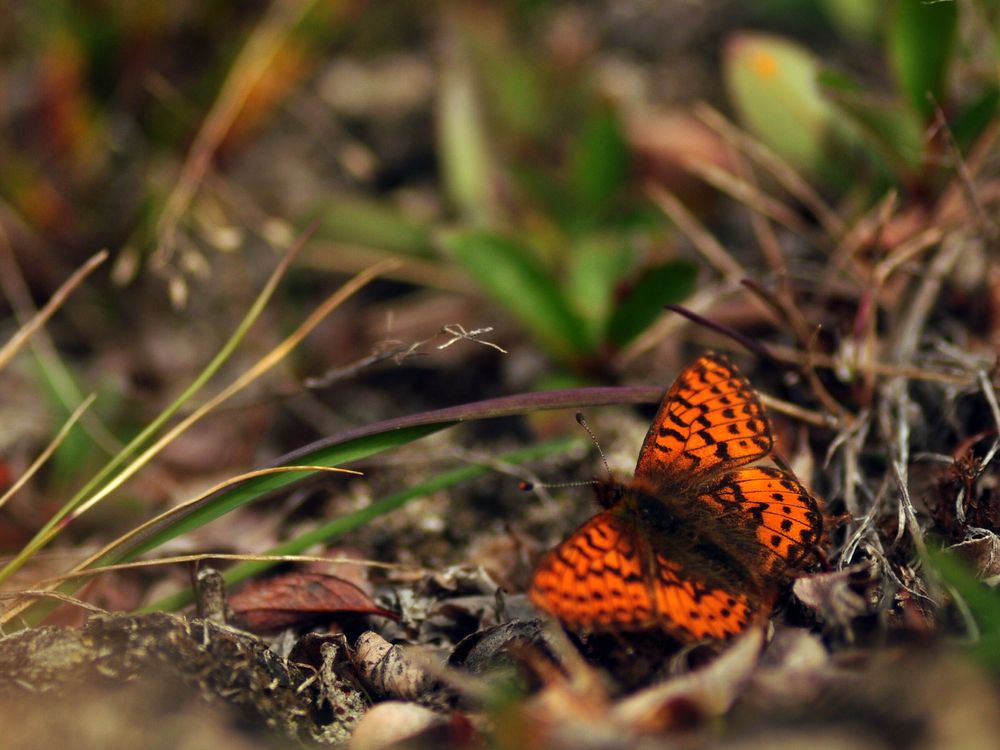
(607, 494)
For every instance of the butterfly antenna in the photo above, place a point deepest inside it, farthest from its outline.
(526, 486)
(604, 459)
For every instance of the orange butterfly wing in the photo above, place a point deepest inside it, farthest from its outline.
(692, 610)
(785, 518)
(596, 580)
(710, 421)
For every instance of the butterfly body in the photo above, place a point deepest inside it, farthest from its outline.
(694, 545)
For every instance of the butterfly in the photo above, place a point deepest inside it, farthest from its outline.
(698, 543)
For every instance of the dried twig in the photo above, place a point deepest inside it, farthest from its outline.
(702, 239)
(400, 351)
(790, 179)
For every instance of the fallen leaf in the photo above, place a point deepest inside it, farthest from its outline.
(841, 595)
(293, 598)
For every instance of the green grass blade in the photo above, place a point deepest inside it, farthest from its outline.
(51, 527)
(340, 526)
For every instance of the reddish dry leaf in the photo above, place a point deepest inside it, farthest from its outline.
(293, 598)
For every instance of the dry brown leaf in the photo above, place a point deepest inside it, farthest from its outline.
(839, 596)
(292, 598)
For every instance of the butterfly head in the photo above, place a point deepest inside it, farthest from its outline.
(608, 493)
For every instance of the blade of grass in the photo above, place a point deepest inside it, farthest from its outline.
(249, 68)
(463, 143)
(53, 370)
(362, 442)
(268, 361)
(349, 445)
(33, 612)
(49, 450)
(350, 522)
(28, 328)
(52, 526)
(982, 603)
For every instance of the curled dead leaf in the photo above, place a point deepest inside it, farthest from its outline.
(841, 595)
(388, 672)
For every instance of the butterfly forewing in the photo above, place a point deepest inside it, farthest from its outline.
(710, 421)
(595, 578)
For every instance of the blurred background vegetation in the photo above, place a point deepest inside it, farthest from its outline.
(555, 171)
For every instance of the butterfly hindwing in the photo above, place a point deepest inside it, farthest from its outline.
(694, 609)
(786, 519)
(597, 580)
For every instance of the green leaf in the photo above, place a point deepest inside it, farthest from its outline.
(463, 145)
(599, 164)
(890, 129)
(773, 85)
(920, 40)
(359, 221)
(596, 264)
(972, 120)
(511, 275)
(858, 19)
(655, 287)
(515, 90)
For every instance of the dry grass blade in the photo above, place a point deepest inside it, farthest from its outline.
(145, 529)
(914, 318)
(701, 301)
(205, 557)
(703, 240)
(344, 258)
(910, 249)
(268, 361)
(28, 328)
(786, 176)
(744, 192)
(990, 394)
(785, 309)
(947, 208)
(815, 418)
(48, 451)
(250, 67)
(910, 372)
(964, 176)
(54, 369)
(149, 527)
(58, 596)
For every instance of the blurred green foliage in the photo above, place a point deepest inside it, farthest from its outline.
(981, 602)
(835, 129)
